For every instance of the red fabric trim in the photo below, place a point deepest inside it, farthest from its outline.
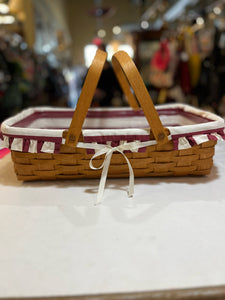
(40, 142)
(212, 137)
(38, 138)
(26, 145)
(43, 114)
(115, 139)
(175, 144)
(166, 112)
(108, 114)
(179, 111)
(191, 140)
(219, 131)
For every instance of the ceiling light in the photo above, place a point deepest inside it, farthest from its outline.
(4, 9)
(200, 21)
(116, 30)
(46, 48)
(144, 24)
(101, 33)
(217, 10)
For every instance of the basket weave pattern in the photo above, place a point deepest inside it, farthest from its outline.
(157, 160)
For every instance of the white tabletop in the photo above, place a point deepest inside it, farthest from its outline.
(54, 241)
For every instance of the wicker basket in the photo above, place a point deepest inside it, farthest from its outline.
(41, 153)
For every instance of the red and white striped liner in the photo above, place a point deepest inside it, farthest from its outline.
(188, 126)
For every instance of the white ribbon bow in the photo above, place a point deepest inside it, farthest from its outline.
(108, 151)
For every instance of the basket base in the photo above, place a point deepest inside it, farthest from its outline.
(72, 177)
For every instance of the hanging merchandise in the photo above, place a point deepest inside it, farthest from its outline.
(194, 60)
(195, 69)
(183, 73)
(205, 40)
(211, 84)
(26, 79)
(11, 74)
(160, 74)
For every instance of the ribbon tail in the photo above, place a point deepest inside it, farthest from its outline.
(130, 191)
(131, 179)
(103, 177)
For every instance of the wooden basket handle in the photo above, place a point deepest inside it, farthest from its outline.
(128, 76)
(86, 96)
(124, 84)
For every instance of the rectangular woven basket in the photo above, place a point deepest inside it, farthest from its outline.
(169, 140)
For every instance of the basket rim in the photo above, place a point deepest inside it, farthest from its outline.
(216, 122)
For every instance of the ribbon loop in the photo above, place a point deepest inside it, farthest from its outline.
(100, 152)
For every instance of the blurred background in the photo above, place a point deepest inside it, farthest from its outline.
(46, 47)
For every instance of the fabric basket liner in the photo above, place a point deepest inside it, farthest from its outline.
(40, 130)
